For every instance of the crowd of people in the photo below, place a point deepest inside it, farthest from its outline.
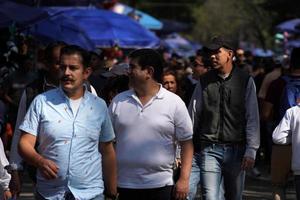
(117, 124)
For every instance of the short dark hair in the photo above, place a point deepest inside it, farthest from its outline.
(295, 58)
(149, 57)
(74, 49)
(48, 53)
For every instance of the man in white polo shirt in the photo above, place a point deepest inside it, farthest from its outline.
(147, 121)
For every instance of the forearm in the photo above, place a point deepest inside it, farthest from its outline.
(187, 150)
(27, 150)
(109, 165)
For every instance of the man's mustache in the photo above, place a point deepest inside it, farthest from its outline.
(65, 78)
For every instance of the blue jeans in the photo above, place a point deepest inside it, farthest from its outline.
(195, 176)
(222, 163)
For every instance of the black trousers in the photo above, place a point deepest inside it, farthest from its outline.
(163, 193)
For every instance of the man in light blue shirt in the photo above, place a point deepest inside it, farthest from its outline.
(70, 125)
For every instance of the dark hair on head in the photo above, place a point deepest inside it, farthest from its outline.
(295, 58)
(149, 57)
(74, 49)
(204, 54)
(48, 53)
(170, 72)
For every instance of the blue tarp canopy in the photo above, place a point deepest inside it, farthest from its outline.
(180, 45)
(144, 19)
(107, 29)
(292, 26)
(61, 28)
(11, 12)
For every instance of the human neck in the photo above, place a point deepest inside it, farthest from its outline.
(147, 91)
(226, 69)
(77, 94)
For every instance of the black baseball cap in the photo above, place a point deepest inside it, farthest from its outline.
(219, 41)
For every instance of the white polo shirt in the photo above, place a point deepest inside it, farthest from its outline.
(145, 137)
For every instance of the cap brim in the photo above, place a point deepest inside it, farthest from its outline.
(213, 47)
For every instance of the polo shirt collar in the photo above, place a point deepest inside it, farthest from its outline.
(159, 95)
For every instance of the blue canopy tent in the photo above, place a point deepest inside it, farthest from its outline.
(11, 12)
(180, 45)
(143, 18)
(259, 52)
(108, 29)
(61, 28)
(292, 26)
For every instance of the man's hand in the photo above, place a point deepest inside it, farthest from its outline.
(48, 168)
(7, 195)
(181, 189)
(247, 163)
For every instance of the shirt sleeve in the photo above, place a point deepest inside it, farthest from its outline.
(183, 123)
(194, 107)
(252, 120)
(282, 133)
(32, 118)
(4, 175)
(107, 132)
(14, 157)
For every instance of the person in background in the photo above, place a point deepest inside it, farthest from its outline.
(272, 113)
(288, 132)
(4, 175)
(171, 82)
(200, 65)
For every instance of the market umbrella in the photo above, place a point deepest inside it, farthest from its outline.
(144, 19)
(179, 45)
(11, 12)
(60, 27)
(290, 26)
(108, 29)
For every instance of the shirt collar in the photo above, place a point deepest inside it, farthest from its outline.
(159, 95)
(84, 97)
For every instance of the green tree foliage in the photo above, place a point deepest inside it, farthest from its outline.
(240, 20)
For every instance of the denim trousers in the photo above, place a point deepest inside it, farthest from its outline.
(222, 162)
(194, 181)
(195, 176)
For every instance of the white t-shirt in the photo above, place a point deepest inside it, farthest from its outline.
(75, 105)
(4, 175)
(288, 131)
(145, 137)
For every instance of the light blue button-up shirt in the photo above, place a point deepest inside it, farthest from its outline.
(71, 141)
